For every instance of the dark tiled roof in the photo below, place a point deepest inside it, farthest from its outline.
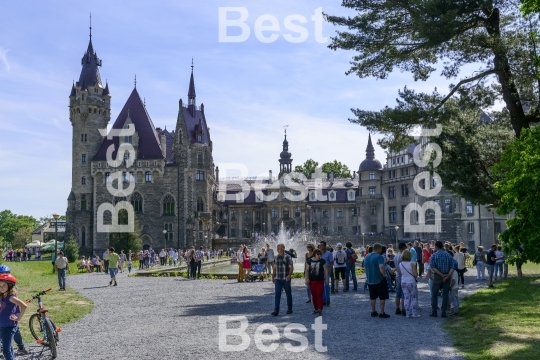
(106, 90)
(169, 138)
(90, 73)
(194, 123)
(191, 92)
(370, 163)
(148, 141)
(39, 229)
(73, 91)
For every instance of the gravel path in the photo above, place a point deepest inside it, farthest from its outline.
(161, 318)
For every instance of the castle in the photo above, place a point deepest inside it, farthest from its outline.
(173, 188)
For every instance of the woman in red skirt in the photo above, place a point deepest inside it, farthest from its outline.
(316, 272)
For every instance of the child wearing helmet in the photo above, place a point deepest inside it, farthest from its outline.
(12, 310)
(4, 269)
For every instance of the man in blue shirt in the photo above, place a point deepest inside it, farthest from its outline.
(376, 279)
(442, 266)
(326, 256)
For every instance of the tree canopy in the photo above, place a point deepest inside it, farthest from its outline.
(10, 223)
(517, 184)
(310, 166)
(489, 41)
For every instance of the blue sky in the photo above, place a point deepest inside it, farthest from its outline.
(250, 89)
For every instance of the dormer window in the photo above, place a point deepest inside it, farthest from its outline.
(199, 138)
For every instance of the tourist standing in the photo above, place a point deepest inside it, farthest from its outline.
(519, 262)
(122, 260)
(374, 264)
(162, 256)
(480, 263)
(400, 297)
(281, 277)
(199, 255)
(141, 260)
(307, 256)
(499, 263)
(315, 273)
(61, 265)
(262, 258)
(459, 256)
(12, 311)
(350, 271)
(419, 262)
(454, 287)
(491, 260)
(106, 261)
(114, 259)
(270, 256)
(329, 259)
(192, 263)
(442, 266)
(408, 276)
(340, 266)
(247, 262)
(240, 262)
(17, 337)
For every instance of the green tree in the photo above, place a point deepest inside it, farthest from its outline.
(11, 223)
(45, 219)
(308, 168)
(530, 6)
(22, 237)
(340, 170)
(125, 241)
(488, 40)
(71, 249)
(517, 184)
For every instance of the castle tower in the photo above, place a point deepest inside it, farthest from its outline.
(89, 111)
(285, 161)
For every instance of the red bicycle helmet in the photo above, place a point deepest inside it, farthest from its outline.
(8, 278)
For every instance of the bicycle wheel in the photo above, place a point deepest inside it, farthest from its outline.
(35, 326)
(54, 329)
(50, 338)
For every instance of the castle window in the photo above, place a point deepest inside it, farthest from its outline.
(354, 212)
(168, 205)
(274, 213)
(148, 176)
(107, 177)
(200, 205)
(128, 139)
(391, 192)
(371, 176)
(137, 202)
(179, 134)
(471, 228)
(199, 176)
(199, 158)
(339, 213)
(404, 189)
(297, 211)
(448, 206)
(83, 237)
(285, 212)
(373, 210)
(392, 214)
(372, 191)
(470, 207)
(168, 231)
(83, 180)
(199, 138)
(84, 137)
(325, 213)
(83, 204)
(83, 158)
(200, 226)
(132, 177)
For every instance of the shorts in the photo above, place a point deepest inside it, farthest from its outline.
(379, 290)
(399, 290)
(491, 269)
(113, 272)
(339, 273)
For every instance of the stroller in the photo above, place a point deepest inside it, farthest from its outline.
(257, 271)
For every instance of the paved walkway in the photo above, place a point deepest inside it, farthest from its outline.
(162, 318)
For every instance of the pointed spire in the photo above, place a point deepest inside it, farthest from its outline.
(191, 92)
(370, 150)
(90, 63)
(135, 82)
(106, 90)
(73, 90)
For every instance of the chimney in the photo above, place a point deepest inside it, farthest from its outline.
(164, 145)
(354, 174)
(158, 130)
(269, 176)
(217, 174)
(331, 176)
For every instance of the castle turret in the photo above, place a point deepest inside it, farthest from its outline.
(285, 161)
(89, 106)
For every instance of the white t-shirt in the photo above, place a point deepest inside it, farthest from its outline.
(270, 255)
(454, 277)
(460, 258)
(407, 275)
(240, 256)
(340, 259)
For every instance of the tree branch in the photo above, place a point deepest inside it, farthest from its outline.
(462, 82)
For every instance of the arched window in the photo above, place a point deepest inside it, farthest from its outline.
(200, 205)
(168, 205)
(83, 237)
(137, 202)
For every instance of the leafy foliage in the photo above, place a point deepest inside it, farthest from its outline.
(517, 184)
(308, 168)
(10, 223)
(22, 237)
(530, 6)
(71, 249)
(340, 170)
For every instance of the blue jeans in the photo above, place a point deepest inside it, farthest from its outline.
(279, 286)
(326, 292)
(7, 340)
(61, 278)
(389, 281)
(350, 272)
(308, 292)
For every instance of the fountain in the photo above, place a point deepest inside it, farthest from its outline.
(296, 241)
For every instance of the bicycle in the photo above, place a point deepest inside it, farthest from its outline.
(42, 327)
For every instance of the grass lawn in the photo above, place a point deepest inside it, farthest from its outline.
(64, 306)
(501, 323)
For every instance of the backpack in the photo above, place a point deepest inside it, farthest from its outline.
(353, 257)
(341, 257)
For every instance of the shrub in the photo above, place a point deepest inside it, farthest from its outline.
(71, 249)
